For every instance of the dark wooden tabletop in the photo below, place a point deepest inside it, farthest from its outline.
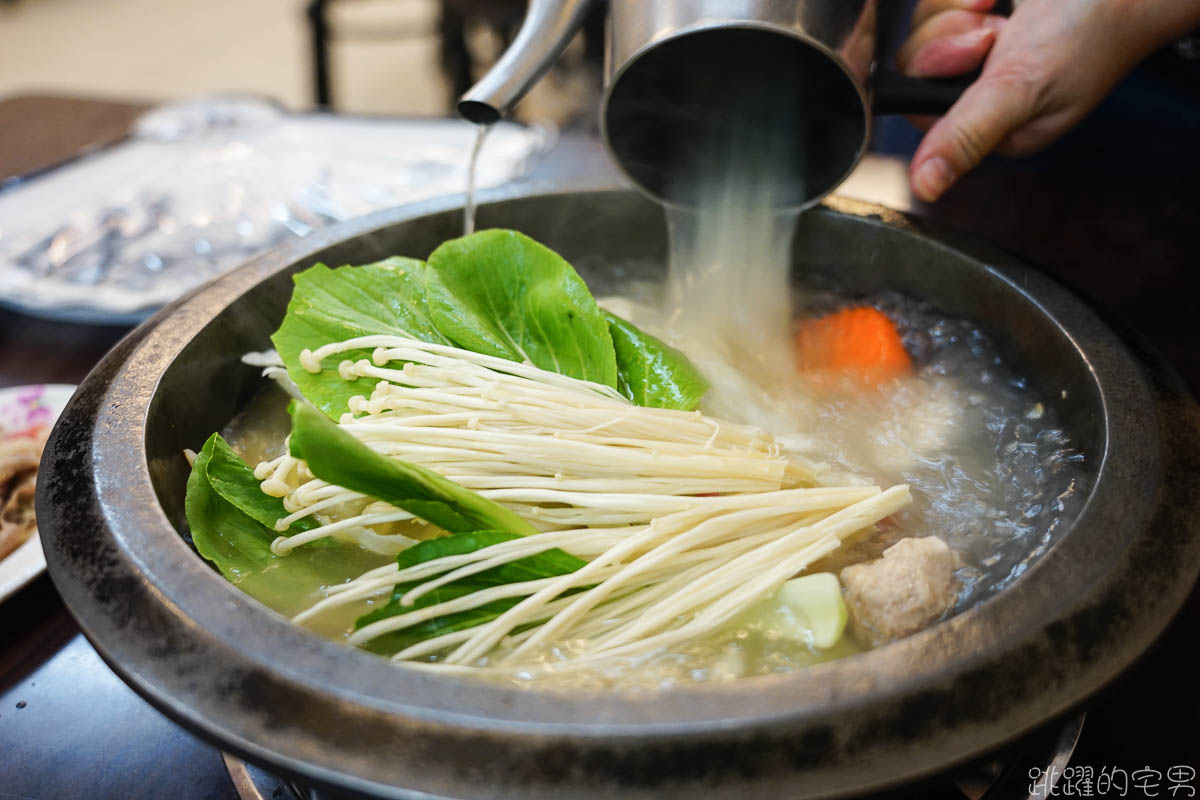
(1128, 242)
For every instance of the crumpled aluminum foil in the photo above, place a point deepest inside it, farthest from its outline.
(202, 186)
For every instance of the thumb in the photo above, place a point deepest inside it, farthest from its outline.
(988, 111)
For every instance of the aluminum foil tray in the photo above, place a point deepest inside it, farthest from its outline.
(201, 186)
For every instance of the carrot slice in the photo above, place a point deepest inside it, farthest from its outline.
(860, 341)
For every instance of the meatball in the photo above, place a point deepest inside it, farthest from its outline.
(903, 592)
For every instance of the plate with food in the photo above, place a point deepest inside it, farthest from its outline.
(27, 413)
(399, 511)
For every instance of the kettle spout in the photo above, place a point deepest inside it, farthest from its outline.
(546, 31)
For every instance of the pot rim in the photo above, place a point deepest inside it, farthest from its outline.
(990, 649)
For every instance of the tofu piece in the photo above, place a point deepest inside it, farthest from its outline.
(903, 592)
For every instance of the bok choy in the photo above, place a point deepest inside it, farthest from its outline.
(485, 463)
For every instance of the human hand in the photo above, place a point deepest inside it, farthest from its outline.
(1044, 69)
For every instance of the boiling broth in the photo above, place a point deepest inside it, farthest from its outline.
(992, 472)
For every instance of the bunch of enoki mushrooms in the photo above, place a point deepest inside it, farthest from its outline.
(679, 521)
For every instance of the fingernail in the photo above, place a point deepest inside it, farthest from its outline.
(973, 37)
(932, 178)
(951, 56)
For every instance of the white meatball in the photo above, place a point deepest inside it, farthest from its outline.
(903, 592)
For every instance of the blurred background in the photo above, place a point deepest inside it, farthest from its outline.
(384, 56)
(148, 146)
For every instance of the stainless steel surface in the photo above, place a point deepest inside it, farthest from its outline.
(693, 83)
(252, 783)
(110, 507)
(1002, 776)
(1064, 748)
(844, 28)
(547, 29)
(689, 80)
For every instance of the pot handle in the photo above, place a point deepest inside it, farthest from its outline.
(897, 93)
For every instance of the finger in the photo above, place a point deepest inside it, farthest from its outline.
(952, 55)
(922, 121)
(1041, 131)
(990, 109)
(929, 8)
(948, 23)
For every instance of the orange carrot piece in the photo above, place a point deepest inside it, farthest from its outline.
(861, 341)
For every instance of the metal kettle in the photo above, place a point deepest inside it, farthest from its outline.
(682, 74)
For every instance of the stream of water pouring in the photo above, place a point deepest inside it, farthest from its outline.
(728, 288)
(481, 132)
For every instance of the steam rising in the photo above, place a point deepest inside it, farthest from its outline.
(728, 291)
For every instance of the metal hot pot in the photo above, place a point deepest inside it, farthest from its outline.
(110, 508)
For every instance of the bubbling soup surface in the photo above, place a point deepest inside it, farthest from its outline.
(992, 472)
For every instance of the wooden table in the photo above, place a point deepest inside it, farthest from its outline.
(1129, 244)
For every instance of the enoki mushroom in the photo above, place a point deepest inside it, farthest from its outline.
(684, 521)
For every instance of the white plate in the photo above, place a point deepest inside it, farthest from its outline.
(23, 408)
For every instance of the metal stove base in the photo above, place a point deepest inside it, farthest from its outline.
(1006, 776)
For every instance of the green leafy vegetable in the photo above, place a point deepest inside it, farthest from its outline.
(652, 373)
(223, 534)
(337, 457)
(496, 292)
(233, 479)
(547, 564)
(332, 305)
(509, 296)
(233, 528)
